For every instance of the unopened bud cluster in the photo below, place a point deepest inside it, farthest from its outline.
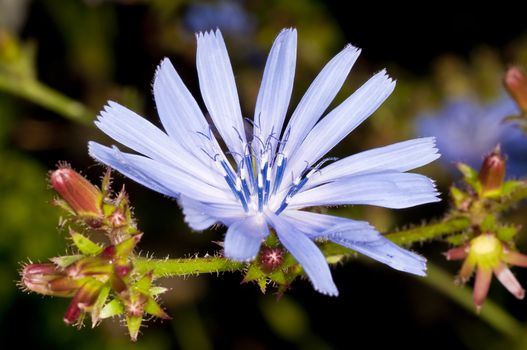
(486, 248)
(101, 278)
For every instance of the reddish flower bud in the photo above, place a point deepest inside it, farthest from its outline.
(81, 196)
(47, 279)
(271, 258)
(492, 172)
(82, 301)
(515, 82)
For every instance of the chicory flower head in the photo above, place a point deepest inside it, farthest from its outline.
(263, 180)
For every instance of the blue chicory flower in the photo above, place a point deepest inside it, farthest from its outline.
(467, 130)
(265, 181)
(230, 16)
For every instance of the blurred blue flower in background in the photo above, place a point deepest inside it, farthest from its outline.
(467, 129)
(229, 16)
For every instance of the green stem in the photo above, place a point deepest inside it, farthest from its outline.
(491, 312)
(46, 97)
(190, 266)
(183, 267)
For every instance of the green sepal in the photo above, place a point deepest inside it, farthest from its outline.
(253, 273)
(67, 260)
(459, 197)
(507, 233)
(113, 308)
(157, 290)
(510, 186)
(134, 323)
(84, 244)
(458, 240)
(144, 284)
(470, 175)
(125, 248)
(153, 308)
(99, 304)
(488, 224)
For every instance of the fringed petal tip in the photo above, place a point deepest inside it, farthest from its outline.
(328, 292)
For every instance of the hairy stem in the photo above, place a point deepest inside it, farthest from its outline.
(46, 97)
(183, 267)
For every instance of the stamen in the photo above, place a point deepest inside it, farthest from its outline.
(284, 205)
(281, 162)
(260, 192)
(267, 184)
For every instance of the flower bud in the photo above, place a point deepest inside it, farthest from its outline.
(515, 82)
(492, 172)
(47, 279)
(82, 301)
(80, 195)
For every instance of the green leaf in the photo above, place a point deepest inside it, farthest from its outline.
(470, 176)
(85, 245)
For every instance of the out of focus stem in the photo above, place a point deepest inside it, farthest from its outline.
(491, 312)
(42, 95)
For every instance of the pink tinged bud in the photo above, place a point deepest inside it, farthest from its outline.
(82, 301)
(515, 82)
(508, 280)
(481, 286)
(458, 253)
(492, 172)
(47, 279)
(79, 193)
(271, 258)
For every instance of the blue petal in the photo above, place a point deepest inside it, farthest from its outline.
(398, 157)
(306, 252)
(180, 113)
(167, 178)
(200, 216)
(275, 91)
(377, 247)
(359, 236)
(113, 159)
(331, 129)
(314, 225)
(318, 97)
(244, 237)
(390, 190)
(135, 132)
(218, 89)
